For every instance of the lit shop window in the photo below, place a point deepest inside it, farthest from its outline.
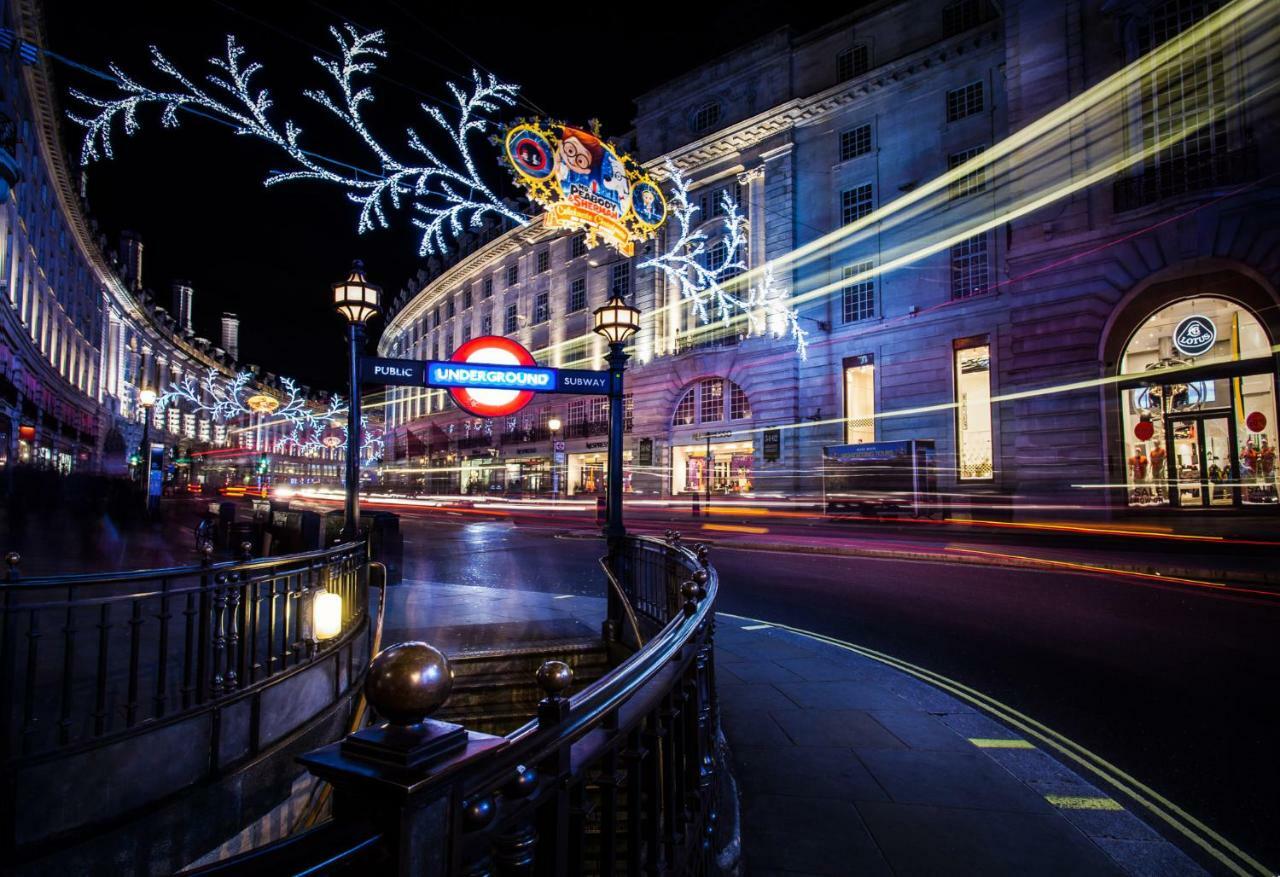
(973, 413)
(860, 400)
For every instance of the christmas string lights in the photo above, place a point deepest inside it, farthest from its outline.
(701, 271)
(445, 198)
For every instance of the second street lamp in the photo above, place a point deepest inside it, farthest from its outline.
(359, 301)
(557, 458)
(616, 321)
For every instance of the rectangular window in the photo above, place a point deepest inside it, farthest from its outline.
(970, 183)
(852, 62)
(577, 412)
(855, 142)
(435, 318)
(466, 332)
(544, 260)
(686, 410)
(466, 296)
(620, 279)
(711, 405)
(859, 400)
(969, 275)
(859, 297)
(628, 412)
(541, 308)
(855, 203)
(513, 320)
(960, 16)
(513, 274)
(488, 287)
(964, 101)
(706, 117)
(578, 246)
(739, 406)
(486, 323)
(449, 308)
(973, 413)
(577, 294)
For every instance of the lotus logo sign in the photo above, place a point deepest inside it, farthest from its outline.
(1195, 335)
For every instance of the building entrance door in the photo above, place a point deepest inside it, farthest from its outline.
(1202, 464)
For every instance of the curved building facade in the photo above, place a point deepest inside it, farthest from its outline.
(81, 337)
(1034, 348)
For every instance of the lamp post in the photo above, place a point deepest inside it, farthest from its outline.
(557, 457)
(357, 300)
(616, 321)
(147, 399)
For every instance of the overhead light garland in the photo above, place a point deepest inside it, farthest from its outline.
(444, 197)
(702, 280)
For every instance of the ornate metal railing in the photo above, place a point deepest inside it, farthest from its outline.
(1184, 175)
(619, 778)
(86, 657)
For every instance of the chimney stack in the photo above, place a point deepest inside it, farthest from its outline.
(231, 335)
(131, 260)
(182, 294)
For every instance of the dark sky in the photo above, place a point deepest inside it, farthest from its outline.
(195, 194)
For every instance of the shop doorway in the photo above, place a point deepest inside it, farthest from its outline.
(1203, 465)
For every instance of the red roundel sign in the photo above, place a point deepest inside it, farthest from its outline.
(1143, 430)
(491, 350)
(1256, 421)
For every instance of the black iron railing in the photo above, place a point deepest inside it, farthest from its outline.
(86, 657)
(585, 428)
(619, 778)
(1173, 177)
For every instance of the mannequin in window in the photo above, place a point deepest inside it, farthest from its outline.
(1138, 471)
(1159, 472)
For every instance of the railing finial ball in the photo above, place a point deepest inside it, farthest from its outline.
(478, 812)
(246, 550)
(689, 590)
(700, 576)
(408, 682)
(554, 677)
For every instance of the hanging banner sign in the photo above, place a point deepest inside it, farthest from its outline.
(582, 183)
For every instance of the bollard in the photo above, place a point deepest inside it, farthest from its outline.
(13, 558)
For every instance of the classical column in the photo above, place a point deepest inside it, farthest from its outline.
(752, 181)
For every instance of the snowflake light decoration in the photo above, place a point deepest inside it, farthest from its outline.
(702, 278)
(444, 197)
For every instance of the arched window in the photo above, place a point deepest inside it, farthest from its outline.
(711, 400)
(1198, 408)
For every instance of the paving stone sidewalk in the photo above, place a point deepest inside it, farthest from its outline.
(848, 766)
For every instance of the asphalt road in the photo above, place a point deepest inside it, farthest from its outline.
(1175, 686)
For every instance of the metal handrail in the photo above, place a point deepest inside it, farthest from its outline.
(531, 742)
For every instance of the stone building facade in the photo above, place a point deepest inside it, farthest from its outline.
(1035, 352)
(80, 335)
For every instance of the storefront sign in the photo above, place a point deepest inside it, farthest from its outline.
(772, 442)
(596, 445)
(1195, 335)
(526, 450)
(583, 183)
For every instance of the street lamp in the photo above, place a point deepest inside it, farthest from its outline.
(357, 300)
(147, 399)
(557, 457)
(616, 322)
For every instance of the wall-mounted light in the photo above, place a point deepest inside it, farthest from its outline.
(326, 614)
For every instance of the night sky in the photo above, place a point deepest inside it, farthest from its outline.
(195, 193)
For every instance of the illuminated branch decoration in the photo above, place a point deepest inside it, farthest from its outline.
(371, 441)
(444, 198)
(212, 395)
(703, 274)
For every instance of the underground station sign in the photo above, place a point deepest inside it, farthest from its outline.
(490, 376)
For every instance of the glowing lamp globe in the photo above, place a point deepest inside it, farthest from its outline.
(326, 615)
(616, 320)
(262, 403)
(146, 398)
(355, 298)
(554, 424)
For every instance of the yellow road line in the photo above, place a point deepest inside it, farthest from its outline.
(1185, 824)
(1000, 743)
(735, 528)
(1081, 802)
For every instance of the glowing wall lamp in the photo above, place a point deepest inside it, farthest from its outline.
(326, 614)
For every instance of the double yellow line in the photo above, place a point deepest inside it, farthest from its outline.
(1236, 860)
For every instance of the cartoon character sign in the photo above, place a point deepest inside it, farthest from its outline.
(650, 206)
(583, 183)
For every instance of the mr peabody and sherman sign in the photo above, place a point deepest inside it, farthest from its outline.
(490, 376)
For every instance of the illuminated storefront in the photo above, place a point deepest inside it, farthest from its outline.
(586, 472)
(731, 469)
(1198, 414)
